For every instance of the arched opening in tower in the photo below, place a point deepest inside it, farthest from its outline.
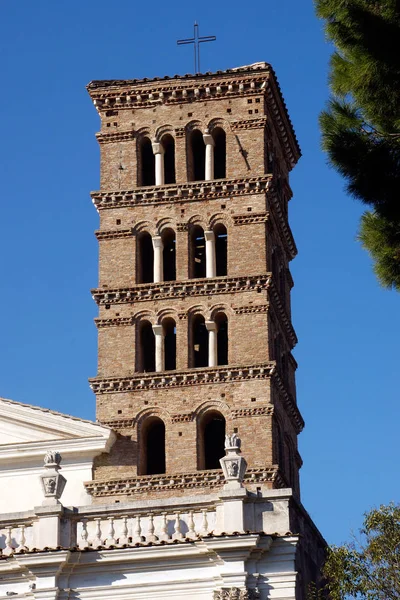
(147, 350)
(169, 326)
(221, 321)
(153, 446)
(219, 136)
(168, 143)
(145, 258)
(200, 342)
(147, 163)
(169, 254)
(198, 252)
(197, 157)
(221, 249)
(214, 427)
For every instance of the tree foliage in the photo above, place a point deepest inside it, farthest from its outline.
(369, 568)
(361, 125)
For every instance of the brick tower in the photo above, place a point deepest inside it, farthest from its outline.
(194, 326)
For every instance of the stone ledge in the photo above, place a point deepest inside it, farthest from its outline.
(167, 194)
(188, 377)
(199, 479)
(174, 289)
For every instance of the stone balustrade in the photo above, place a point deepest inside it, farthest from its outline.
(192, 191)
(16, 536)
(144, 527)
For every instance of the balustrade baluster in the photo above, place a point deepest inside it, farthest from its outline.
(191, 534)
(111, 541)
(177, 528)
(9, 547)
(163, 535)
(124, 537)
(137, 533)
(97, 540)
(83, 543)
(204, 524)
(22, 539)
(150, 530)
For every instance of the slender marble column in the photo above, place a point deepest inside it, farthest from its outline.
(160, 354)
(212, 343)
(209, 142)
(211, 264)
(158, 151)
(158, 267)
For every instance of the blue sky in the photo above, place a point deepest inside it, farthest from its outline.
(347, 326)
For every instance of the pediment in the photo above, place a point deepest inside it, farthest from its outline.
(23, 423)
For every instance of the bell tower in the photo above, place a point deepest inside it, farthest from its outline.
(194, 327)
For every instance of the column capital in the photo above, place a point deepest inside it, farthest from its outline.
(157, 241)
(208, 138)
(158, 330)
(158, 148)
(209, 236)
(211, 325)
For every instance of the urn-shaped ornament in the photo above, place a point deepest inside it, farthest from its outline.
(53, 483)
(233, 464)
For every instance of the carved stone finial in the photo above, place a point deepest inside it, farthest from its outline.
(53, 483)
(233, 465)
(232, 441)
(52, 458)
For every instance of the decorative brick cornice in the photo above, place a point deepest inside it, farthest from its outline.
(258, 123)
(179, 289)
(281, 311)
(256, 411)
(113, 234)
(115, 136)
(250, 218)
(114, 322)
(282, 225)
(182, 418)
(184, 378)
(119, 423)
(185, 192)
(178, 481)
(250, 309)
(288, 402)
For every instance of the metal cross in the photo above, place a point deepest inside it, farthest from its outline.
(196, 40)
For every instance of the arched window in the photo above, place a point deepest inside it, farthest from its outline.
(168, 143)
(145, 258)
(197, 156)
(197, 252)
(219, 153)
(278, 445)
(212, 440)
(147, 351)
(152, 458)
(200, 342)
(146, 163)
(169, 326)
(222, 338)
(221, 249)
(169, 254)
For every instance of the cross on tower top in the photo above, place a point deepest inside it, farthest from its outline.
(196, 40)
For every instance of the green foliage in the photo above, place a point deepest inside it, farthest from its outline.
(370, 568)
(361, 125)
(381, 237)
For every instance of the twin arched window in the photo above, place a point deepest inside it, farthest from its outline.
(156, 344)
(208, 254)
(211, 434)
(206, 157)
